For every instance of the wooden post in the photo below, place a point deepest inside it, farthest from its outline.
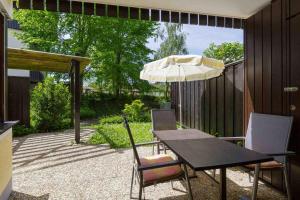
(76, 70)
(72, 97)
(3, 70)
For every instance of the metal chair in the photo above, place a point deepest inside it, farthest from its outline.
(162, 119)
(268, 134)
(155, 169)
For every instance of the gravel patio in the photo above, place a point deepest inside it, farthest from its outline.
(51, 166)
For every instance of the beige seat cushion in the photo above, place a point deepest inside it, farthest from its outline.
(162, 174)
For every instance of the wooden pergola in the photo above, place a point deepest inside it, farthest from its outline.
(52, 62)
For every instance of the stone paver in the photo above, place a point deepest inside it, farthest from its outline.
(51, 166)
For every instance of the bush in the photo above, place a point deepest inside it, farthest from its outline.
(116, 135)
(87, 113)
(50, 106)
(115, 119)
(22, 130)
(137, 112)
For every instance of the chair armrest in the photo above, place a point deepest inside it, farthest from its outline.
(147, 143)
(159, 165)
(288, 153)
(232, 138)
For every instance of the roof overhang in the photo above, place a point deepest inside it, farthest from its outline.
(43, 61)
(226, 8)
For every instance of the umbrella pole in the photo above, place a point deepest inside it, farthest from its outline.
(180, 105)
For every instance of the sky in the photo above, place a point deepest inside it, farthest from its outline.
(199, 37)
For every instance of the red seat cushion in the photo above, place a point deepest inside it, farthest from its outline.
(153, 176)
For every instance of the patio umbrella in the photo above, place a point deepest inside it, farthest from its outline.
(178, 68)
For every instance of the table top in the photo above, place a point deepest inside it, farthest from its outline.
(181, 134)
(213, 153)
(203, 151)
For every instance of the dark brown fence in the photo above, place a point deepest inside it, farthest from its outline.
(214, 106)
(19, 99)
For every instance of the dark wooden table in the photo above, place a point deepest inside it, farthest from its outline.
(208, 152)
(181, 134)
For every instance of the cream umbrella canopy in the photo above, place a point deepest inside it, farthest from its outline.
(178, 68)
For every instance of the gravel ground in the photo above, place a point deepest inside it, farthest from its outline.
(51, 166)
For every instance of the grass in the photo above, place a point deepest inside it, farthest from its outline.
(117, 137)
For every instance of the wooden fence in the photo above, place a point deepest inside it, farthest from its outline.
(214, 106)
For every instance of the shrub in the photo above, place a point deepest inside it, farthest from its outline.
(87, 113)
(22, 130)
(115, 119)
(50, 106)
(137, 111)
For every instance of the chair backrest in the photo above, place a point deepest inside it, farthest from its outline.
(135, 153)
(163, 119)
(269, 133)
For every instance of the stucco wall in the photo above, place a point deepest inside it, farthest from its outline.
(5, 164)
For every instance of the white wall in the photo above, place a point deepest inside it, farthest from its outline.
(13, 42)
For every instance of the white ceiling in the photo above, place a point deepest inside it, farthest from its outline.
(226, 8)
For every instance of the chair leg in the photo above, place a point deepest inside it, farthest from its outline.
(141, 186)
(132, 178)
(158, 148)
(172, 185)
(153, 149)
(249, 176)
(188, 184)
(287, 182)
(214, 173)
(255, 181)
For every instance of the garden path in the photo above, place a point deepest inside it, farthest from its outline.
(51, 166)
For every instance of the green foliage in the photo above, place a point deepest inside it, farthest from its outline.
(108, 108)
(22, 130)
(117, 47)
(136, 111)
(87, 113)
(114, 119)
(117, 136)
(173, 41)
(50, 106)
(120, 53)
(228, 52)
(39, 29)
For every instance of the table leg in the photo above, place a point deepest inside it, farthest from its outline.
(222, 184)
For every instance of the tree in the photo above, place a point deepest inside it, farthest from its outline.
(39, 29)
(120, 54)
(173, 43)
(117, 47)
(228, 52)
(58, 33)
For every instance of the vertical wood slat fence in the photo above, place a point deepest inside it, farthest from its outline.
(214, 106)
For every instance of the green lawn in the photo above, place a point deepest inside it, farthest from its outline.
(116, 135)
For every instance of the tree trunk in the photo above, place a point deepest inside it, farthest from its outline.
(167, 91)
(117, 84)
